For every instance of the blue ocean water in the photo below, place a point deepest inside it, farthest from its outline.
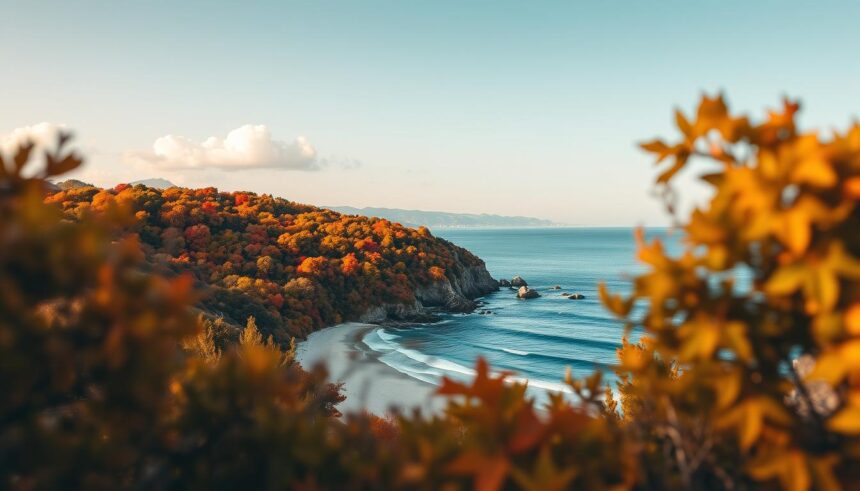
(536, 338)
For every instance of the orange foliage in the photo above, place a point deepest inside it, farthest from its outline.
(312, 265)
(217, 236)
(349, 264)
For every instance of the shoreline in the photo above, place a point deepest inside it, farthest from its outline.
(368, 383)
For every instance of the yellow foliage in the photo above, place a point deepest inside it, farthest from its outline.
(783, 212)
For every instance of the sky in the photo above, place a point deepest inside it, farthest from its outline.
(516, 108)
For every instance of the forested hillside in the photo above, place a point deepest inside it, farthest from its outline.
(294, 267)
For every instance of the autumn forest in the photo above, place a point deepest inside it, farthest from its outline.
(294, 268)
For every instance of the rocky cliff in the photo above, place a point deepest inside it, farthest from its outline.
(456, 293)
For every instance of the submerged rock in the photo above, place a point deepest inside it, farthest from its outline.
(556, 287)
(576, 296)
(526, 292)
(518, 281)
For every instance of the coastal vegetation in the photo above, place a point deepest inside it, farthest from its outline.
(295, 268)
(112, 379)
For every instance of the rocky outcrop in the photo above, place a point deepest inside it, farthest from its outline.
(526, 292)
(455, 293)
(576, 296)
(504, 283)
(518, 281)
(398, 312)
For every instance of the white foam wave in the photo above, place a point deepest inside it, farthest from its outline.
(543, 384)
(515, 352)
(386, 336)
(431, 368)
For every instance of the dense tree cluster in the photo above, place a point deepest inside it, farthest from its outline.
(111, 382)
(296, 268)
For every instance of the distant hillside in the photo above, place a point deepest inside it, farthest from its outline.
(440, 219)
(156, 183)
(295, 268)
(72, 184)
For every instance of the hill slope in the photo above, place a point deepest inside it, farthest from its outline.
(295, 267)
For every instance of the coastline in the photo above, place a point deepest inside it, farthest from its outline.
(368, 383)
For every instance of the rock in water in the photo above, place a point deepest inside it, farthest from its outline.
(526, 292)
(556, 287)
(504, 282)
(518, 281)
(576, 296)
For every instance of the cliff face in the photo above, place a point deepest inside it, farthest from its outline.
(453, 294)
(457, 294)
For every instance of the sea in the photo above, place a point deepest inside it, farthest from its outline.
(535, 339)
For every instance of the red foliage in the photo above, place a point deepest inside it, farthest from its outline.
(277, 300)
(197, 237)
(367, 245)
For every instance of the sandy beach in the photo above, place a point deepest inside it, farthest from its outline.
(368, 383)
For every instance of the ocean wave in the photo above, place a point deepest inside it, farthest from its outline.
(389, 344)
(572, 360)
(594, 343)
(563, 316)
(543, 384)
(516, 352)
(431, 369)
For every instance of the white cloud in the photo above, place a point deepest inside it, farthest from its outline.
(43, 135)
(246, 147)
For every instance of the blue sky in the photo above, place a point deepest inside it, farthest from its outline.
(527, 108)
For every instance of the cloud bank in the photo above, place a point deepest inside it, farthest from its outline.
(246, 147)
(43, 135)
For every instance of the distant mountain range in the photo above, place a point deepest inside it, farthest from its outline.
(440, 219)
(156, 183)
(72, 184)
(409, 218)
